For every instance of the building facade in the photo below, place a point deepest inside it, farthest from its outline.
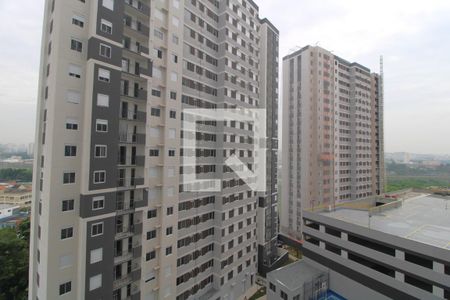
(386, 259)
(112, 218)
(332, 134)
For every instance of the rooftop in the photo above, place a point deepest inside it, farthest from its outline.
(423, 218)
(295, 275)
(4, 206)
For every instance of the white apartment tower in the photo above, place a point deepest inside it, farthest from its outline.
(332, 134)
(112, 218)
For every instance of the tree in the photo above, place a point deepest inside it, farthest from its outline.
(24, 175)
(14, 266)
(23, 231)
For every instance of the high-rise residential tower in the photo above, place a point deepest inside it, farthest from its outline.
(332, 134)
(112, 217)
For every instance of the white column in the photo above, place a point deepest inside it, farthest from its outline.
(439, 268)
(399, 255)
(322, 229)
(344, 237)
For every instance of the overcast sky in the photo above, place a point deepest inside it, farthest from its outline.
(413, 36)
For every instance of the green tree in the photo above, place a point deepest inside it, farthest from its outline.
(14, 266)
(23, 231)
(16, 174)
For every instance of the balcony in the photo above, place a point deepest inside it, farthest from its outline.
(130, 115)
(138, 6)
(131, 161)
(132, 138)
(136, 27)
(147, 72)
(122, 256)
(124, 231)
(130, 182)
(326, 156)
(125, 208)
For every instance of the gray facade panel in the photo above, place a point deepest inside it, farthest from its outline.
(94, 52)
(110, 138)
(115, 17)
(86, 210)
(104, 267)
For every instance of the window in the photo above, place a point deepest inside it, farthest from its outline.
(272, 287)
(105, 51)
(76, 45)
(74, 71)
(67, 205)
(78, 21)
(158, 53)
(150, 255)
(98, 203)
(65, 288)
(283, 295)
(151, 234)
(173, 114)
(104, 75)
(100, 151)
(154, 152)
(71, 124)
(101, 125)
(102, 100)
(155, 112)
(66, 233)
(175, 58)
(169, 230)
(106, 26)
(73, 97)
(97, 229)
(168, 250)
(158, 34)
(99, 177)
(175, 39)
(70, 150)
(151, 214)
(156, 93)
(170, 211)
(171, 152)
(96, 255)
(174, 76)
(95, 282)
(109, 4)
(173, 95)
(68, 177)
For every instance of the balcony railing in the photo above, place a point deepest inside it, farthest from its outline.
(133, 115)
(131, 138)
(138, 5)
(130, 182)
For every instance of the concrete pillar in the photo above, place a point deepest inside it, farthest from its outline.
(344, 236)
(438, 268)
(344, 254)
(399, 255)
(322, 229)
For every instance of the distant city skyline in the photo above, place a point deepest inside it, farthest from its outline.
(416, 90)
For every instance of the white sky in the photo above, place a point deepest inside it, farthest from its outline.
(413, 36)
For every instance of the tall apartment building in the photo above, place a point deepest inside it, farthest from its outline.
(112, 218)
(332, 134)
